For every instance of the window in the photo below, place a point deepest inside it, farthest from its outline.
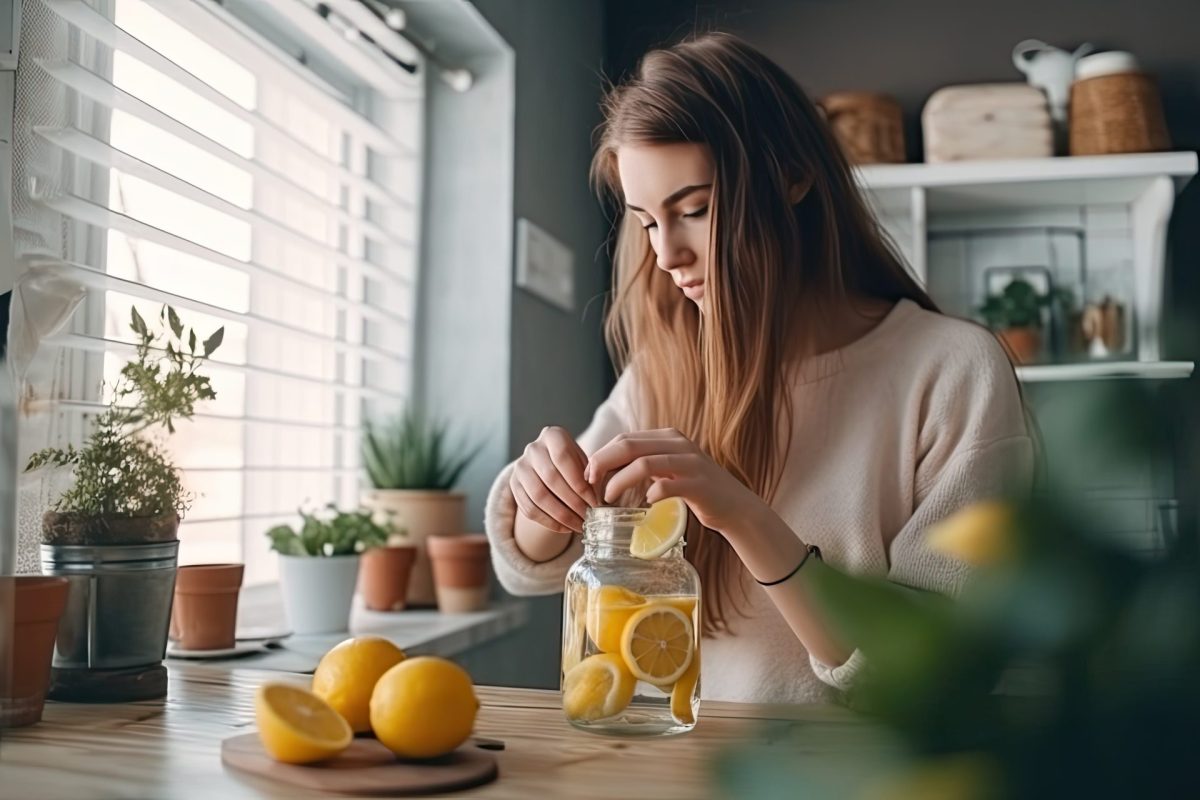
(169, 153)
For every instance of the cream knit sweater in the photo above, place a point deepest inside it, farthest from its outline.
(895, 431)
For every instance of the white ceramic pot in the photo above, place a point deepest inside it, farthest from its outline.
(421, 514)
(318, 592)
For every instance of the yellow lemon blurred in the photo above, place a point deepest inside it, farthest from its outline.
(658, 644)
(598, 687)
(608, 610)
(423, 707)
(980, 534)
(965, 776)
(346, 676)
(297, 727)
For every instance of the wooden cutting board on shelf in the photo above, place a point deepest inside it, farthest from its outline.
(366, 768)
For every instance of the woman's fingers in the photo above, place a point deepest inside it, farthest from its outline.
(570, 461)
(642, 471)
(669, 487)
(553, 479)
(627, 447)
(531, 511)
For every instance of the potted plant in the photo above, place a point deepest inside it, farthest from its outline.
(461, 571)
(113, 532)
(318, 566)
(383, 577)
(1015, 314)
(412, 471)
(33, 606)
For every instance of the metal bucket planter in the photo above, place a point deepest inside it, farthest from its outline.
(113, 634)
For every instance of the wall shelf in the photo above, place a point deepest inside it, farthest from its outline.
(1147, 370)
(1117, 206)
(1025, 183)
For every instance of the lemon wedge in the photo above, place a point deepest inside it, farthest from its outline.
(608, 609)
(660, 530)
(683, 691)
(600, 686)
(297, 727)
(658, 644)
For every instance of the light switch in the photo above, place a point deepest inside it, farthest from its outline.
(545, 266)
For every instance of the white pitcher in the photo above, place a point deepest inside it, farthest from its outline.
(1050, 69)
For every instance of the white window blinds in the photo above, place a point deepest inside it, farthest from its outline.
(167, 152)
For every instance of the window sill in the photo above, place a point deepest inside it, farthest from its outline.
(260, 610)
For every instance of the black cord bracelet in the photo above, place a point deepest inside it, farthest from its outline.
(812, 550)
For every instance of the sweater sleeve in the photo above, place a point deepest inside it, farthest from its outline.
(975, 446)
(518, 574)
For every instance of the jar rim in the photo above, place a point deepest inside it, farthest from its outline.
(611, 523)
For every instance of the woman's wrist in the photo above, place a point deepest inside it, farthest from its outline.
(536, 543)
(767, 547)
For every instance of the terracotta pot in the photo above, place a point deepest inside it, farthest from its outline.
(31, 608)
(79, 529)
(421, 514)
(383, 576)
(460, 571)
(1023, 344)
(204, 614)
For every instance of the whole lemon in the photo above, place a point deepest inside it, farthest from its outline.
(347, 674)
(423, 707)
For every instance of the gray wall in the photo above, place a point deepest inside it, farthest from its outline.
(909, 49)
(489, 345)
(560, 371)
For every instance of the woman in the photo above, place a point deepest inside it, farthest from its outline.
(782, 373)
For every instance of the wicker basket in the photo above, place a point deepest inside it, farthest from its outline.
(868, 126)
(1120, 113)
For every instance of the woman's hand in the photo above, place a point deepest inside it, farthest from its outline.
(673, 466)
(547, 482)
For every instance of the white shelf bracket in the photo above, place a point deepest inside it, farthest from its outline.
(1150, 213)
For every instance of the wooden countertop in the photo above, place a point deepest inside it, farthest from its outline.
(171, 748)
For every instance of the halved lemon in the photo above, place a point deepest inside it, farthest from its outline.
(297, 727)
(600, 686)
(608, 610)
(658, 644)
(660, 530)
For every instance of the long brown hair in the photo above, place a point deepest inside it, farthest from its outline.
(720, 378)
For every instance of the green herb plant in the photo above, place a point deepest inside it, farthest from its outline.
(1019, 305)
(120, 471)
(333, 533)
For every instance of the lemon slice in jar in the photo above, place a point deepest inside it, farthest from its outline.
(660, 530)
(608, 610)
(600, 686)
(658, 644)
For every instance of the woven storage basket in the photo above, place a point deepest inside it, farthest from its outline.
(1120, 113)
(868, 126)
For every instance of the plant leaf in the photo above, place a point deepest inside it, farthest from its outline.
(213, 342)
(175, 323)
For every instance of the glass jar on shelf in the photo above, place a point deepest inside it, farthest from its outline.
(631, 625)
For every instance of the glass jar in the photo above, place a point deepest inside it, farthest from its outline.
(631, 634)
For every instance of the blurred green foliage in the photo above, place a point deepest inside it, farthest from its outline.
(1068, 669)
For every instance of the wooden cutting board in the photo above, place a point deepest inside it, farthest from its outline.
(366, 768)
